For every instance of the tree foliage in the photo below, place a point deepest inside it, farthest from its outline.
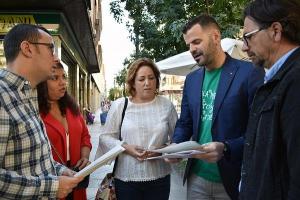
(121, 79)
(155, 25)
(114, 93)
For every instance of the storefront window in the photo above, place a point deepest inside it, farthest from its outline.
(2, 58)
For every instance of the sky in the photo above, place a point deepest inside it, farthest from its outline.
(116, 45)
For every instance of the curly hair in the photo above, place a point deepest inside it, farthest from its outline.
(64, 102)
(134, 68)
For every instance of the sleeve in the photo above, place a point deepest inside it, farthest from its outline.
(59, 167)
(184, 126)
(172, 120)
(85, 136)
(254, 81)
(16, 186)
(109, 136)
(290, 127)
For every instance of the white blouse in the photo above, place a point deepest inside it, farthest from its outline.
(149, 125)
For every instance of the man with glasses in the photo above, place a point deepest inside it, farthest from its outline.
(28, 170)
(214, 112)
(271, 166)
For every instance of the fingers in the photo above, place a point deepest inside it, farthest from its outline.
(172, 160)
(66, 185)
(68, 172)
(82, 163)
(211, 157)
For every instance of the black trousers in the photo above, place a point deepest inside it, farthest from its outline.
(147, 190)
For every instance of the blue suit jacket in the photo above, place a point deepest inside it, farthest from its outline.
(237, 86)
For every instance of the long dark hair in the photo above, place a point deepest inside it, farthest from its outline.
(64, 102)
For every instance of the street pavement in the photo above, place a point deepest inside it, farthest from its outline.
(178, 192)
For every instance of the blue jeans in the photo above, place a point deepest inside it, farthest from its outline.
(158, 189)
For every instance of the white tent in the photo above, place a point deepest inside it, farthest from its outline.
(183, 63)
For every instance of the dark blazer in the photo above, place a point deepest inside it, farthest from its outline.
(271, 166)
(238, 83)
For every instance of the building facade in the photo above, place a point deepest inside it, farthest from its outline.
(76, 27)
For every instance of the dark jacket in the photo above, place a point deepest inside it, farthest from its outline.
(271, 166)
(238, 83)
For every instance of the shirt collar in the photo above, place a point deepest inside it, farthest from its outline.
(277, 65)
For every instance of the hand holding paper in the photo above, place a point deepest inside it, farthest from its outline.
(113, 153)
(181, 150)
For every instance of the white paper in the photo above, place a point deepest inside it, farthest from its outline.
(102, 160)
(184, 146)
(181, 154)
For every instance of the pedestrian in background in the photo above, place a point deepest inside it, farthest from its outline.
(271, 164)
(65, 126)
(148, 123)
(214, 112)
(28, 170)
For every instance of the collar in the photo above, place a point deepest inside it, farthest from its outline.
(277, 65)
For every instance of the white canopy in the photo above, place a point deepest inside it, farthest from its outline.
(183, 63)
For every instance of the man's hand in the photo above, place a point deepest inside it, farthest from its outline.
(213, 152)
(68, 172)
(66, 185)
(135, 151)
(173, 160)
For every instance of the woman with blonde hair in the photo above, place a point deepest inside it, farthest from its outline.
(148, 123)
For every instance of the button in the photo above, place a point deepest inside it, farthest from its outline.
(247, 143)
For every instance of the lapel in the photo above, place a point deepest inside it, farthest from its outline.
(227, 75)
(197, 93)
(55, 124)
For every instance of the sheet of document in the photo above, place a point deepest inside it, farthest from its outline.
(102, 160)
(181, 154)
(184, 146)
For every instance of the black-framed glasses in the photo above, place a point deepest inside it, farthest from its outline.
(247, 36)
(49, 45)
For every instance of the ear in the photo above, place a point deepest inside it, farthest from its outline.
(25, 49)
(276, 31)
(216, 35)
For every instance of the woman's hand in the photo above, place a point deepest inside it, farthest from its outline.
(135, 151)
(82, 163)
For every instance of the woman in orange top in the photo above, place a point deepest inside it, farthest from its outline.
(66, 128)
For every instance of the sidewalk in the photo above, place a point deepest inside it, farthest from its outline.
(178, 192)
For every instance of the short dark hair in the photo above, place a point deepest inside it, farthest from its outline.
(204, 20)
(17, 35)
(65, 102)
(134, 68)
(286, 12)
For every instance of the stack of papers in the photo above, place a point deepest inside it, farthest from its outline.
(181, 154)
(102, 160)
(181, 150)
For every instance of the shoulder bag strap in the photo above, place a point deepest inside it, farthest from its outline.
(123, 114)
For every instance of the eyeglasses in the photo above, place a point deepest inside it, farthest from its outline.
(49, 45)
(247, 36)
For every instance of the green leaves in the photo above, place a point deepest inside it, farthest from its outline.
(155, 25)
